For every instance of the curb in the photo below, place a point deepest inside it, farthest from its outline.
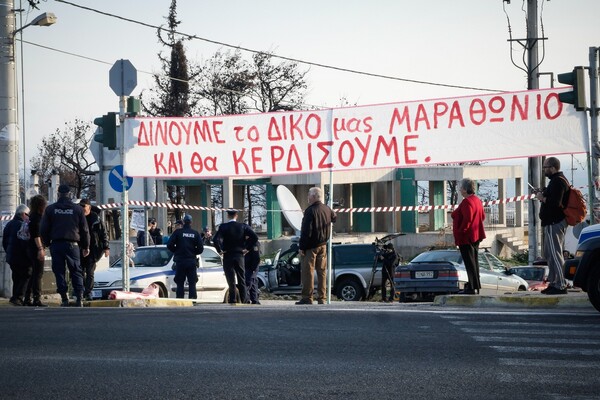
(527, 300)
(125, 303)
(140, 303)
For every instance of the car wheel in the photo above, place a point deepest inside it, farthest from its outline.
(349, 290)
(522, 289)
(593, 288)
(162, 291)
(404, 298)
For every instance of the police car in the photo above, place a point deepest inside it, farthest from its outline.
(154, 264)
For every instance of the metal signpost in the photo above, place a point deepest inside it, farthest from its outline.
(122, 80)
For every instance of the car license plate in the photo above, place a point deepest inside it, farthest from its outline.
(96, 294)
(423, 274)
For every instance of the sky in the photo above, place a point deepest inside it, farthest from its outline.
(459, 43)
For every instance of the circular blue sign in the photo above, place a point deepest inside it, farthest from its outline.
(115, 179)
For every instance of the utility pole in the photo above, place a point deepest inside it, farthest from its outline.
(9, 145)
(534, 164)
(595, 146)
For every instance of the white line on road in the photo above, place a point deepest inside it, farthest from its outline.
(527, 324)
(545, 350)
(544, 362)
(550, 379)
(547, 332)
(513, 339)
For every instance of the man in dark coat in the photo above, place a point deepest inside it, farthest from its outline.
(251, 261)
(230, 241)
(552, 218)
(186, 244)
(65, 229)
(16, 246)
(314, 235)
(99, 246)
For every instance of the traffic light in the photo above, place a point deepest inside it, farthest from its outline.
(107, 130)
(577, 95)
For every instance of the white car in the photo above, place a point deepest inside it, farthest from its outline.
(154, 264)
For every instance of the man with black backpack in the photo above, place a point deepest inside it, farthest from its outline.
(553, 199)
(99, 246)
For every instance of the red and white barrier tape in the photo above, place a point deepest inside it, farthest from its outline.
(339, 210)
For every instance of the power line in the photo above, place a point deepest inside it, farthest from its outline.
(296, 60)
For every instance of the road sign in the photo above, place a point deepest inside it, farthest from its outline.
(115, 178)
(122, 77)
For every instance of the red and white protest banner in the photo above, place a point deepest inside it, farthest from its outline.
(418, 133)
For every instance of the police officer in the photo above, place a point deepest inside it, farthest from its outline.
(251, 261)
(99, 246)
(65, 229)
(186, 244)
(230, 241)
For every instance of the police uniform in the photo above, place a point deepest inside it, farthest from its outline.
(186, 244)
(230, 239)
(251, 261)
(65, 229)
(99, 246)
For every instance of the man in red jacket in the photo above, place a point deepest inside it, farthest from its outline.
(467, 226)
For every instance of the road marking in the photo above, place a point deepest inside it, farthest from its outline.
(524, 324)
(545, 350)
(513, 339)
(532, 332)
(544, 362)
(550, 379)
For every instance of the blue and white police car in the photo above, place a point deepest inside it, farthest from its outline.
(154, 264)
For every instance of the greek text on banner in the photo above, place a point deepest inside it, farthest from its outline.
(453, 130)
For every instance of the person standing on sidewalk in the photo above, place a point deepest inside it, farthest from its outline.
(251, 261)
(314, 235)
(467, 226)
(552, 218)
(230, 241)
(186, 244)
(36, 252)
(99, 246)
(65, 229)
(15, 245)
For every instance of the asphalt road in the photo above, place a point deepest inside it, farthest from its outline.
(282, 351)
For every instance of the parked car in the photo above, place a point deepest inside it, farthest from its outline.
(535, 275)
(438, 272)
(154, 264)
(352, 266)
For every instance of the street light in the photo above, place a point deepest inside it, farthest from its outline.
(45, 19)
(9, 145)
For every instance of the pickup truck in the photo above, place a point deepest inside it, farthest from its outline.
(584, 269)
(352, 266)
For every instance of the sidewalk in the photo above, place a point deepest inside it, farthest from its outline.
(529, 300)
(574, 299)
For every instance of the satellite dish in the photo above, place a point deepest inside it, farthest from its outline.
(290, 207)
